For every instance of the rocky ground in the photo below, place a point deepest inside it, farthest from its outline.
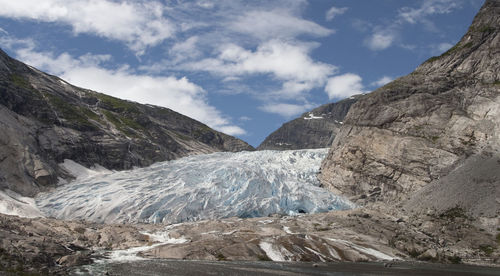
(53, 246)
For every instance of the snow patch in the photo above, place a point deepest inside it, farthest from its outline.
(130, 254)
(368, 251)
(320, 256)
(80, 171)
(312, 117)
(272, 253)
(14, 204)
(287, 230)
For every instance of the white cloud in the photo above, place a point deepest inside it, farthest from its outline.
(287, 62)
(384, 36)
(334, 11)
(380, 40)
(428, 7)
(286, 110)
(185, 50)
(139, 24)
(276, 24)
(245, 118)
(382, 81)
(343, 86)
(178, 94)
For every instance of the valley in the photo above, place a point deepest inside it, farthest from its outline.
(402, 179)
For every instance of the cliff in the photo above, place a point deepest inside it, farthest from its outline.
(418, 136)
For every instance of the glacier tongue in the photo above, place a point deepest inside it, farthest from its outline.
(212, 186)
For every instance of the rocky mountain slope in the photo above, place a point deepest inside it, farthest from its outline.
(45, 120)
(420, 135)
(314, 129)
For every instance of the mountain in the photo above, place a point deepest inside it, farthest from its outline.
(314, 129)
(431, 139)
(46, 120)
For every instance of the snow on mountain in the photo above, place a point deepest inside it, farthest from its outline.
(212, 186)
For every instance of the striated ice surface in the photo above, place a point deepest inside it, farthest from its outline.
(211, 186)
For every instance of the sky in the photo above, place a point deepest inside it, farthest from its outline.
(241, 67)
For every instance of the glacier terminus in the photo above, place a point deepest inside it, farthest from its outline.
(209, 186)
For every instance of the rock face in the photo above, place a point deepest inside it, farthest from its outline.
(430, 126)
(45, 120)
(314, 129)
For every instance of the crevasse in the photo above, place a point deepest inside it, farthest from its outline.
(211, 186)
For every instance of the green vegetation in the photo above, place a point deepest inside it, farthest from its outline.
(20, 81)
(413, 253)
(264, 258)
(90, 114)
(72, 113)
(434, 138)
(319, 227)
(123, 124)
(497, 82)
(455, 259)
(447, 53)
(118, 105)
(220, 257)
(486, 29)
(199, 132)
(487, 249)
(455, 212)
(468, 45)
(498, 238)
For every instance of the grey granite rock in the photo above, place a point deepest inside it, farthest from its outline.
(420, 127)
(314, 129)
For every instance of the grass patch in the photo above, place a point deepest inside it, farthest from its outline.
(486, 29)
(455, 212)
(487, 249)
(20, 81)
(118, 105)
(455, 259)
(414, 253)
(122, 123)
(220, 257)
(468, 45)
(434, 138)
(75, 115)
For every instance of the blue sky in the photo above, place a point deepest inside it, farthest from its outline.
(241, 67)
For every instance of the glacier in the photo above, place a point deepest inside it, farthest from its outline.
(209, 186)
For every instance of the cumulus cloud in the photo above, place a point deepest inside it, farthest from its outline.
(276, 24)
(334, 11)
(380, 40)
(382, 81)
(287, 62)
(139, 24)
(178, 94)
(286, 110)
(343, 86)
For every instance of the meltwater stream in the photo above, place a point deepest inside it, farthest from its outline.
(211, 186)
